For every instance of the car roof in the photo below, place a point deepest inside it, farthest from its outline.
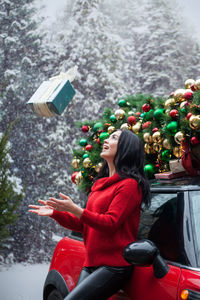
(175, 185)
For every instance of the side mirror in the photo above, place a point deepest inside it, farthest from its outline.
(143, 253)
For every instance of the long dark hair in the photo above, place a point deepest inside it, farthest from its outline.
(129, 162)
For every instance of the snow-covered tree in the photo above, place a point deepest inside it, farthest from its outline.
(10, 191)
(165, 51)
(24, 63)
(89, 42)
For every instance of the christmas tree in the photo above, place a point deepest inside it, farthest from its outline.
(169, 129)
(9, 197)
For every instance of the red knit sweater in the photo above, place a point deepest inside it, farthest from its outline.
(109, 222)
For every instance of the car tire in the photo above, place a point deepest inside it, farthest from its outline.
(55, 295)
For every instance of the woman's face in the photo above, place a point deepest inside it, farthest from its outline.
(110, 146)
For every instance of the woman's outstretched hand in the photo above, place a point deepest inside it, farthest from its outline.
(44, 210)
(65, 204)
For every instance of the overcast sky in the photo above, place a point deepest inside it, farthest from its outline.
(191, 9)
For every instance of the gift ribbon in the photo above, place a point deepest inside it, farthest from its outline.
(69, 75)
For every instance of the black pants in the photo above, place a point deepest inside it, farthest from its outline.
(99, 283)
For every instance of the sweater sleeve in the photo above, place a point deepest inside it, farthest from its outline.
(68, 220)
(127, 198)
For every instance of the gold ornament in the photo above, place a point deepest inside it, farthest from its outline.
(147, 137)
(157, 137)
(131, 113)
(194, 122)
(179, 95)
(169, 102)
(98, 167)
(166, 144)
(188, 90)
(189, 82)
(182, 105)
(197, 84)
(86, 162)
(178, 152)
(179, 136)
(147, 148)
(111, 129)
(124, 126)
(167, 111)
(119, 114)
(78, 178)
(75, 163)
(156, 147)
(136, 128)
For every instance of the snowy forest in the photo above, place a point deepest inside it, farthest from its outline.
(142, 46)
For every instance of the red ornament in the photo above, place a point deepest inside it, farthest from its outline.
(74, 176)
(88, 147)
(193, 87)
(173, 113)
(194, 140)
(85, 128)
(146, 125)
(132, 120)
(107, 124)
(188, 95)
(138, 114)
(98, 141)
(155, 129)
(188, 115)
(146, 107)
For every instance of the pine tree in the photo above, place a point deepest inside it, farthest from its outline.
(9, 197)
(169, 56)
(100, 67)
(24, 64)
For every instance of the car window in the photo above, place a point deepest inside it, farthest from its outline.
(195, 215)
(160, 223)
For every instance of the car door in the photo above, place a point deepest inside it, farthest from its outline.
(190, 275)
(162, 224)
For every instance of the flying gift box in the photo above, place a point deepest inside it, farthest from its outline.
(53, 95)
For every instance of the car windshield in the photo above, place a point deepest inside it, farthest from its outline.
(195, 213)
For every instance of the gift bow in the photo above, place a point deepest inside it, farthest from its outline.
(69, 75)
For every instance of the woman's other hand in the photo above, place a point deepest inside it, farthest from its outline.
(44, 210)
(65, 204)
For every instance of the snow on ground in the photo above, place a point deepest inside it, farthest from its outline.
(22, 282)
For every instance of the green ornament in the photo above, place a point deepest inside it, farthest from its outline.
(122, 103)
(97, 126)
(85, 155)
(165, 156)
(149, 170)
(103, 136)
(142, 115)
(149, 115)
(83, 142)
(113, 118)
(172, 128)
(158, 114)
(183, 110)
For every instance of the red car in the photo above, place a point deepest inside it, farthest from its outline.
(166, 255)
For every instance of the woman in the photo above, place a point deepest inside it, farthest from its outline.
(111, 218)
